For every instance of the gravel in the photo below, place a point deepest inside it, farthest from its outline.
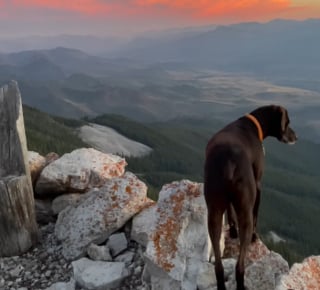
(45, 265)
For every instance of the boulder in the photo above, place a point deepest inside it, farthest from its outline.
(98, 275)
(105, 211)
(50, 157)
(142, 223)
(79, 171)
(255, 252)
(178, 242)
(36, 164)
(65, 200)
(206, 279)
(263, 267)
(305, 275)
(264, 273)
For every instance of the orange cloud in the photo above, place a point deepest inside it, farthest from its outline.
(213, 10)
(223, 8)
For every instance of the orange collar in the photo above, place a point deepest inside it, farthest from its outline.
(256, 122)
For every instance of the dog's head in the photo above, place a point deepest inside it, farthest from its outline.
(281, 129)
(275, 121)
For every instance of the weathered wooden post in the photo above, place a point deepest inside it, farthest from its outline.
(18, 227)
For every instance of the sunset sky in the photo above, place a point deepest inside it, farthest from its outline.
(126, 17)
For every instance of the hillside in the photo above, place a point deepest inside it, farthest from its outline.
(291, 195)
(46, 133)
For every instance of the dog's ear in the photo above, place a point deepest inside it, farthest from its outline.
(284, 118)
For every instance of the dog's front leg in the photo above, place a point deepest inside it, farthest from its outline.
(255, 212)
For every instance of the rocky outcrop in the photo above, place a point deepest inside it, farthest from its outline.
(178, 242)
(105, 211)
(117, 237)
(305, 275)
(79, 171)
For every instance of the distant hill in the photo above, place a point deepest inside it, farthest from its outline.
(88, 43)
(69, 60)
(280, 47)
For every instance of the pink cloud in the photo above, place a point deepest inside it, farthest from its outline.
(193, 10)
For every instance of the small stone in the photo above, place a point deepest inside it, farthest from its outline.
(137, 270)
(117, 243)
(99, 253)
(126, 257)
(16, 271)
(48, 274)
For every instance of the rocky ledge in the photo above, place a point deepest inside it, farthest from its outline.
(99, 230)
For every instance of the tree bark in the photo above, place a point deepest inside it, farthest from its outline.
(18, 227)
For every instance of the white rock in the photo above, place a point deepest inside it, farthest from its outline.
(78, 171)
(117, 243)
(179, 239)
(36, 164)
(206, 278)
(105, 211)
(229, 266)
(142, 223)
(126, 257)
(65, 200)
(305, 275)
(98, 275)
(263, 274)
(99, 253)
(71, 285)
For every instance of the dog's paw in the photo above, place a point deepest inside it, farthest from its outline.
(233, 233)
(254, 237)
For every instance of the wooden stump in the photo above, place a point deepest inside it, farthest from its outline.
(18, 227)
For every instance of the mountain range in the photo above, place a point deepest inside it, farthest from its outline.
(216, 72)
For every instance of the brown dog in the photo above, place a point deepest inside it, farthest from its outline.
(233, 170)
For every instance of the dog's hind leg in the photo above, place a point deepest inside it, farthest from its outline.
(255, 213)
(232, 221)
(245, 235)
(215, 217)
(243, 204)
